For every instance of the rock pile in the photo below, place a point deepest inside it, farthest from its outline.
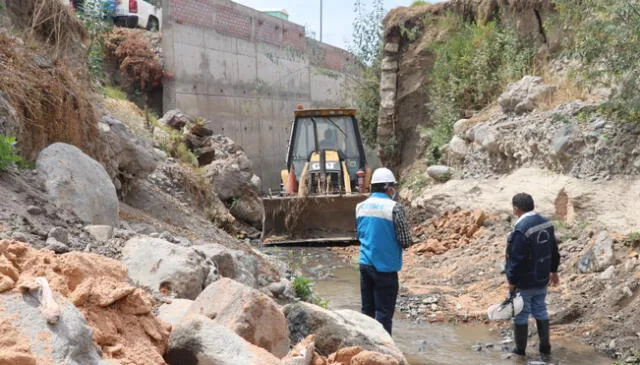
(227, 167)
(451, 230)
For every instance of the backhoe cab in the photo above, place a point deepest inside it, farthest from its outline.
(325, 178)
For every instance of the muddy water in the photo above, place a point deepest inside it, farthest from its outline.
(423, 343)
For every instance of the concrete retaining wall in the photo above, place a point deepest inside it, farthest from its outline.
(246, 71)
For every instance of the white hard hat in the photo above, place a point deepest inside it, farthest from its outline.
(383, 176)
(510, 308)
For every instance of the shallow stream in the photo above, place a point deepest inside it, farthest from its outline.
(337, 281)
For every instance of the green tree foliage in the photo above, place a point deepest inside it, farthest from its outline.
(419, 2)
(367, 47)
(96, 18)
(472, 66)
(606, 40)
(8, 152)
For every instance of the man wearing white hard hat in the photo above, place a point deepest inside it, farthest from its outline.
(383, 232)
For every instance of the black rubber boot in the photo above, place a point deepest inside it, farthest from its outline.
(520, 336)
(543, 335)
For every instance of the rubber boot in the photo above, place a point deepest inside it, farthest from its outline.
(543, 335)
(520, 336)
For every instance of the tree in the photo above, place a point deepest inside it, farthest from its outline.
(366, 46)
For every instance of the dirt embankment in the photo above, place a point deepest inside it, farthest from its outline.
(458, 277)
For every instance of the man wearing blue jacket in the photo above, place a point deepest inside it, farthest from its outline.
(532, 264)
(383, 232)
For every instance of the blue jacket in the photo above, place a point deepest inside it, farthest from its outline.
(532, 253)
(379, 246)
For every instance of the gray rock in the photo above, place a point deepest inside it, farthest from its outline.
(56, 246)
(339, 329)
(133, 155)
(167, 237)
(248, 208)
(33, 210)
(164, 267)
(608, 274)
(461, 127)
(60, 234)
(174, 312)
(277, 288)
(76, 182)
(599, 257)
(522, 96)
(9, 122)
(246, 311)
(175, 119)
(199, 340)
(486, 137)
(69, 341)
(20, 236)
(183, 241)
(235, 264)
(567, 141)
(100, 233)
(440, 172)
(455, 151)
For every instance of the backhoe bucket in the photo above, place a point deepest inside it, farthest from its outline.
(326, 218)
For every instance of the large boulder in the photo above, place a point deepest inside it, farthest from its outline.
(484, 136)
(27, 339)
(165, 267)
(231, 176)
(173, 312)
(246, 311)
(567, 141)
(440, 172)
(599, 255)
(523, 96)
(338, 329)
(455, 151)
(175, 119)
(76, 182)
(134, 156)
(235, 264)
(198, 340)
(248, 207)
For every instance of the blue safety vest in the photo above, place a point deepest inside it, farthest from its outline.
(379, 246)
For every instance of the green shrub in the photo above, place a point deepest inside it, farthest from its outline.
(604, 39)
(419, 2)
(93, 16)
(472, 66)
(8, 152)
(302, 287)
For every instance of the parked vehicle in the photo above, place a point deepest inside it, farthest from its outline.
(137, 13)
(128, 13)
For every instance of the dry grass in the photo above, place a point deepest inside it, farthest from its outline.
(566, 91)
(51, 22)
(51, 101)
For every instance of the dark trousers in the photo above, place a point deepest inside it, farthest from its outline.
(379, 291)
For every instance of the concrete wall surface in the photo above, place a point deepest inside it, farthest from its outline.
(245, 72)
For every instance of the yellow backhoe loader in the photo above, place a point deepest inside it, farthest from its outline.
(325, 178)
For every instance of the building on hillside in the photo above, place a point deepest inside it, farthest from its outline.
(278, 13)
